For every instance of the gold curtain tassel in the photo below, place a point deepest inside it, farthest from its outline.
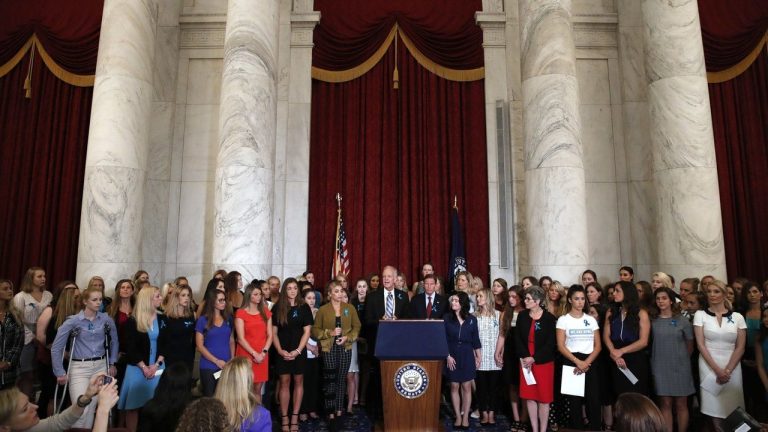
(396, 79)
(28, 88)
(28, 79)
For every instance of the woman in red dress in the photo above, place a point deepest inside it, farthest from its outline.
(253, 324)
(535, 344)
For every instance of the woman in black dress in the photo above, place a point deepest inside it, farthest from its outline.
(507, 355)
(180, 332)
(292, 323)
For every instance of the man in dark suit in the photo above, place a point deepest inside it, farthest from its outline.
(385, 303)
(429, 304)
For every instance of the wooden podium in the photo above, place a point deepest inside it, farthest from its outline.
(411, 353)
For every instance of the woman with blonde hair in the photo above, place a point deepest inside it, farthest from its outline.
(181, 327)
(463, 283)
(721, 335)
(235, 390)
(557, 299)
(30, 301)
(146, 347)
(166, 292)
(93, 349)
(489, 370)
(335, 328)
(661, 280)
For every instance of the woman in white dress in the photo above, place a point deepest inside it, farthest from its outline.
(721, 335)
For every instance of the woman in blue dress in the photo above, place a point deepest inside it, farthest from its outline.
(464, 355)
(145, 352)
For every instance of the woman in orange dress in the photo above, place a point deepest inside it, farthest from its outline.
(253, 324)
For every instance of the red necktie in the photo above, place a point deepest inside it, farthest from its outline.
(429, 307)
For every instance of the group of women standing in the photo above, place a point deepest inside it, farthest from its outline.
(624, 345)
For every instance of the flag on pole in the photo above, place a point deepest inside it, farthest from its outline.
(340, 253)
(458, 262)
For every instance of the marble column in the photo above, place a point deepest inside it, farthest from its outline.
(690, 230)
(118, 143)
(292, 178)
(554, 168)
(492, 21)
(244, 185)
(637, 195)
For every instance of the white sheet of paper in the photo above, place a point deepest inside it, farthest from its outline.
(217, 375)
(710, 385)
(572, 384)
(630, 376)
(527, 374)
(743, 428)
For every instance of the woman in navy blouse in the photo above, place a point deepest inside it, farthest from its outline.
(464, 355)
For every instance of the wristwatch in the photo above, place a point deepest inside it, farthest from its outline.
(83, 404)
(264, 351)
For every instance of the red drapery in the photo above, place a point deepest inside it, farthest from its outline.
(730, 31)
(398, 157)
(44, 137)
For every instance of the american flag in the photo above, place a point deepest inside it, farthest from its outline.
(340, 253)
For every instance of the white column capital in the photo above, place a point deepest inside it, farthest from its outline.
(493, 25)
(302, 28)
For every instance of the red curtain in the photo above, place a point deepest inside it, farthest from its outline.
(730, 31)
(398, 157)
(44, 137)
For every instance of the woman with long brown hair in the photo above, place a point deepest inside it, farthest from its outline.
(214, 337)
(233, 283)
(506, 354)
(290, 330)
(253, 325)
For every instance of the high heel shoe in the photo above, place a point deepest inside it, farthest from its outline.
(294, 426)
(285, 423)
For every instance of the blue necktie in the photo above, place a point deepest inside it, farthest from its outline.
(390, 308)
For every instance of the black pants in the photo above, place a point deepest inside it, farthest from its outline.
(312, 386)
(487, 383)
(208, 382)
(591, 397)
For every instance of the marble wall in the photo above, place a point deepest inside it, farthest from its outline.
(177, 217)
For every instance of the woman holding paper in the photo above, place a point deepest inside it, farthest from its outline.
(626, 334)
(578, 340)
(721, 336)
(672, 348)
(535, 344)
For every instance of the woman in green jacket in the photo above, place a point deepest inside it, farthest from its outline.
(336, 328)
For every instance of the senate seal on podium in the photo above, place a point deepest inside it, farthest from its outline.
(411, 380)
